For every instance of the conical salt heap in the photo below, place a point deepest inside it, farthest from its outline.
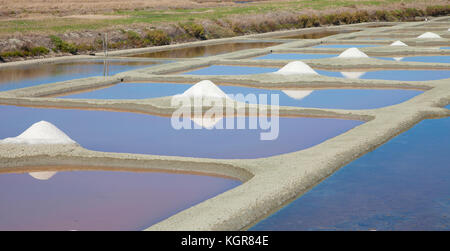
(296, 68)
(429, 35)
(352, 53)
(398, 43)
(204, 88)
(41, 132)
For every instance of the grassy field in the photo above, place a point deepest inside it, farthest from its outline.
(66, 15)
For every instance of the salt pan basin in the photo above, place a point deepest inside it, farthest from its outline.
(401, 75)
(26, 76)
(204, 51)
(230, 70)
(146, 134)
(345, 45)
(425, 59)
(100, 200)
(296, 56)
(334, 98)
(402, 185)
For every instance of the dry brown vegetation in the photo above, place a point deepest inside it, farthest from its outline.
(34, 8)
(78, 29)
(45, 8)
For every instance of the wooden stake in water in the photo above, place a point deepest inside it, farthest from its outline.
(105, 53)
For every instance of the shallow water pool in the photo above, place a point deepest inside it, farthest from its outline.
(345, 45)
(26, 76)
(401, 75)
(100, 200)
(230, 70)
(403, 185)
(297, 56)
(146, 134)
(207, 50)
(425, 59)
(337, 98)
(372, 38)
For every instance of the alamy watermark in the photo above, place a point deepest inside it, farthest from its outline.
(236, 111)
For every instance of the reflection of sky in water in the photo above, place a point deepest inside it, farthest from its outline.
(230, 70)
(299, 56)
(446, 48)
(99, 200)
(339, 98)
(26, 76)
(373, 38)
(403, 185)
(426, 59)
(345, 45)
(139, 133)
(402, 75)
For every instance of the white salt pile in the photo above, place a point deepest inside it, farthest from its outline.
(297, 94)
(42, 175)
(352, 74)
(40, 133)
(398, 43)
(207, 123)
(429, 35)
(204, 88)
(352, 53)
(296, 68)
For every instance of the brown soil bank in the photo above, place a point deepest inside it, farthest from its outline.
(22, 46)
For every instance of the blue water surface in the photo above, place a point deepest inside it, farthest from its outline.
(400, 75)
(425, 59)
(297, 56)
(146, 134)
(333, 98)
(345, 45)
(230, 70)
(402, 185)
